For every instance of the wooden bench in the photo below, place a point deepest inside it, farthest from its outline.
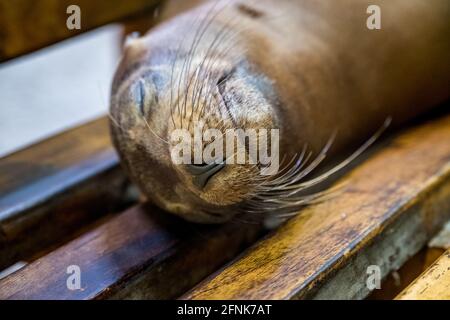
(65, 202)
(433, 284)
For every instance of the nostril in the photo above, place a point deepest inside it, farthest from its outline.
(203, 172)
(198, 169)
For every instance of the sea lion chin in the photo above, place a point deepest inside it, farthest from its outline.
(238, 65)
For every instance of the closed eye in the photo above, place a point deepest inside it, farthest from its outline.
(225, 76)
(139, 96)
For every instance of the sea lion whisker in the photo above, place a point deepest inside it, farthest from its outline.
(223, 33)
(291, 197)
(286, 184)
(215, 41)
(262, 180)
(303, 173)
(272, 184)
(215, 58)
(117, 125)
(345, 162)
(283, 172)
(295, 203)
(224, 28)
(328, 193)
(153, 132)
(185, 101)
(203, 27)
(175, 59)
(293, 169)
(207, 96)
(114, 121)
(284, 169)
(290, 203)
(200, 22)
(302, 200)
(301, 162)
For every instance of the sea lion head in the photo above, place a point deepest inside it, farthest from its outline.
(188, 83)
(174, 86)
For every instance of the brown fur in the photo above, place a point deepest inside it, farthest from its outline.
(307, 67)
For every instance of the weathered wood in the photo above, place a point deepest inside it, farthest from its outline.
(26, 25)
(433, 284)
(442, 239)
(141, 253)
(399, 279)
(54, 187)
(388, 208)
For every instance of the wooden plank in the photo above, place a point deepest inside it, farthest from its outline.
(399, 279)
(433, 284)
(26, 25)
(54, 187)
(388, 208)
(141, 253)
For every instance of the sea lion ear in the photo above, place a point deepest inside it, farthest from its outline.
(132, 37)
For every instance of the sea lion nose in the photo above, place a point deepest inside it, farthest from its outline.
(203, 172)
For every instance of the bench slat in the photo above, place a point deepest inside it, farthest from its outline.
(26, 25)
(399, 279)
(391, 204)
(433, 284)
(56, 186)
(141, 253)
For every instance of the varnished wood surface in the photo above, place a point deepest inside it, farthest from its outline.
(389, 207)
(56, 186)
(27, 25)
(141, 253)
(433, 284)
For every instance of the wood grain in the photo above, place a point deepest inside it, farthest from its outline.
(26, 26)
(141, 253)
(433, 284)
(56, 186)
(389, 207)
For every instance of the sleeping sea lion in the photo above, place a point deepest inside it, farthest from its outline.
(310, 69)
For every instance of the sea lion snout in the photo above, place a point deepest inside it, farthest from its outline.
(164, 98)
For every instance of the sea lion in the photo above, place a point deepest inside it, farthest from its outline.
(312, 69)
